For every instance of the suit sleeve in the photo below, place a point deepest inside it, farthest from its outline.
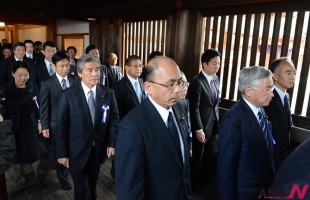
(44, 105)
(114, 121)
(62, 130)
(229, 147)
(129, 162)
(194, 93)
(33, 78)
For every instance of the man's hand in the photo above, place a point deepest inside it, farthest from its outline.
(201, 137)
(110, 152)
(63, 161)
(46, 133)
(39, 128)
(1, 118)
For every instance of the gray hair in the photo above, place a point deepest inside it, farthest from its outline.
(251, 77)
(86, 58)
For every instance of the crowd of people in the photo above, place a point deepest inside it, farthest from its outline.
(165, 143)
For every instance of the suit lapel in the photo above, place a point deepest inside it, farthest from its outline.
(156, 124)
(81, 95)
(280, 105)
(55, 79)
(206, 86)
(254, 123)
(129, 87)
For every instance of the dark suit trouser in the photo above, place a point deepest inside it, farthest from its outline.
(204, 165)
(85, 180)
(62, 172)
(3, 190)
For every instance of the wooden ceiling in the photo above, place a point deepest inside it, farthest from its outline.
(27, 10)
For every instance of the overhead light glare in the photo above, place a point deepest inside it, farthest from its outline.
(2, 24)
(91, 19)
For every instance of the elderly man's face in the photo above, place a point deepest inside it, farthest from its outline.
(90, 74)
(164, 88)
(262, 95)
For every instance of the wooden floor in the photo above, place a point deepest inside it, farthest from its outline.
(19, 191)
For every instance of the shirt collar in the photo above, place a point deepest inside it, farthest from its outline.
(163, 112)
(86, 90)
(209, 78)
(48, 63)
(60, 78)
(132, 80)
(281, 94)
(253, 108)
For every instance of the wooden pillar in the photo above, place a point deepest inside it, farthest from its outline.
(183, 42)
(15, 34)
(51, 31)
(96, 36)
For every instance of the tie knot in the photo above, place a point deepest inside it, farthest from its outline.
(91, 93)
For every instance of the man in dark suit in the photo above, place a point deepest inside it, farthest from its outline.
(6, 65)
(95, 51)
(44, 69)
(152, 157)
(87, 122)
(203, 98)
(245, 163)
(127, 94)
(49, 93)
(72, 53)
(278, 111)
(114, 72)
(35, 58)
(294, 173)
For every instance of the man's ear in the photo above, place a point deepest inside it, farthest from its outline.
(248, 91)
(148, 88)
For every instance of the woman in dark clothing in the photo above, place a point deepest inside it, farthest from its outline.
(23, 109)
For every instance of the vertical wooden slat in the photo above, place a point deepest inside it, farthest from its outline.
(163, 36)
(297, 37)
(221, 36)
(255, 39)
(245, 47)
(235, 57)
(304, 76)
(141, 41)
(127, 40)
(207, 36)
(154, 36)
(130, 38)
(145, 35)
(149, 37)
(247, 26)
(227, 54)
(264, 43)
(275, 37)
(214, 33)
(158, 35)
(287, 33)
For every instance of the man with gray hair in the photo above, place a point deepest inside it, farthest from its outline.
(87, 122)
(245, 163)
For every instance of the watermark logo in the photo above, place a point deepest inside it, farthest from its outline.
(297, 192)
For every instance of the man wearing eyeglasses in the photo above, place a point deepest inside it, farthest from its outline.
(203, 96)
(129, 91)
(245, 163)
(152, 155)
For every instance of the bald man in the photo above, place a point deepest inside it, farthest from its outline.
(151, 140)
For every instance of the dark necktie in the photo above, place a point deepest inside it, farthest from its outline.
(213, 90)
(263, 125)
(91, 105)
(114, 71)
(287, 109)
(174, 131)
(63, 84)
